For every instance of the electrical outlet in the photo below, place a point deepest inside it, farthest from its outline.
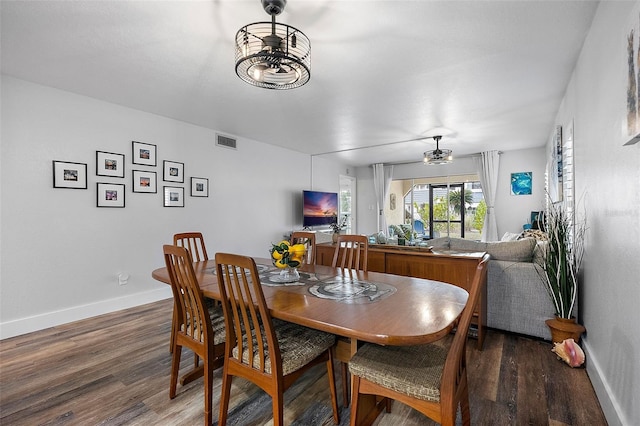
(123, 279)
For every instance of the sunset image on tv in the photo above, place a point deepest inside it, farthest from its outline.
(320, 208)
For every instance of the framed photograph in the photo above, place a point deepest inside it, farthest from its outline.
(110, 194)
(199, 187)
(521, 183)
(144, 181)
(69, 175)
(144, 154)
(173, 171)
(109, 164)
(630, 118)
(173, 196)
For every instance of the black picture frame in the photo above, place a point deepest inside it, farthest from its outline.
(144, 154)
(67, 174)
(173, 171)
(199, 187)
(144, 181)
(109, 164)
(110, 195)
(173, 196)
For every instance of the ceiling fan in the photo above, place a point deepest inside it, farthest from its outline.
(438, 156)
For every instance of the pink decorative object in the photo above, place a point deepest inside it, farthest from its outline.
(570, 352)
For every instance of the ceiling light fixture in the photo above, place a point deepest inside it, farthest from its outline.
(272, 55)
(438, 156)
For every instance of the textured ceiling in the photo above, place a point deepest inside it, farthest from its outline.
(486, 74)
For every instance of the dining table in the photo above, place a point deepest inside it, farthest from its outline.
(357, 306)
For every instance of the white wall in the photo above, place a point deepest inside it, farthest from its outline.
(61, 255)
(511, 211)
(607, 176)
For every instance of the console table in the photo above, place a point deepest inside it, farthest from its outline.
(449, 266)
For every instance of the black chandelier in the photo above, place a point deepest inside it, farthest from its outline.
(438, 156)
(272, 55)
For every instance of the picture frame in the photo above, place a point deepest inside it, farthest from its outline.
(110, 194)
(144, 154)
(630, 115)
(109, 164)
(67, 174)
(173, 171)
(199, 187)
(521, 183)
(173, 196)
(144, 181)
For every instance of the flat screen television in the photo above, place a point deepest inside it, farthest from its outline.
(319, 208)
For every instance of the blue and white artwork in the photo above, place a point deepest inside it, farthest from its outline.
(521, 183)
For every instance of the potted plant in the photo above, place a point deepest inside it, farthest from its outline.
(337, 227)
(560, 264)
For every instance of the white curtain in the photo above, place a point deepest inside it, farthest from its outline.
(381, 183)
(487, 166)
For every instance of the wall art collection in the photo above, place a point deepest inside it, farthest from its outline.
(67, 174)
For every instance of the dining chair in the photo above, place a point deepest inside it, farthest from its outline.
(431, 378)
(270, 353)
(309, 240)
(349, 250)
(198, 327)
(194, 242)
(352, 252)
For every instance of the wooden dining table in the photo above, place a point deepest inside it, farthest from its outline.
(357, 306)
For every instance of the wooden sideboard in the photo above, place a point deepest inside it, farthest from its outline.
(454, 267)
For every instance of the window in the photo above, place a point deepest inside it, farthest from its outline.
(437, 207)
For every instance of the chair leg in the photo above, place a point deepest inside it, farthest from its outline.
(175, 367)
(173, 332)
(464, 405)
(345, 385)
(208, 388)
(332, 388)
(225, 394)
(277, 400)
(355, 399)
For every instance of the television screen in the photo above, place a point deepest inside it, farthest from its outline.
(319, 208)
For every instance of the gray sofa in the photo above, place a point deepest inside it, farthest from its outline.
(517, 300)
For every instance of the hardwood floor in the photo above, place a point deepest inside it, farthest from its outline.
(114, 370)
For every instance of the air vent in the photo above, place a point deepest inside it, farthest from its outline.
(226, 142)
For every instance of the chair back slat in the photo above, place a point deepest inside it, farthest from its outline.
(309, 240)
(247, 318)
(455, 366)
(194, 242)
(352, 252)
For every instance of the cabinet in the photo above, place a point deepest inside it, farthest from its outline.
(453, 267)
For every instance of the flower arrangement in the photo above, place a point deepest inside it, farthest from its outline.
(286, 255)
(339, 227)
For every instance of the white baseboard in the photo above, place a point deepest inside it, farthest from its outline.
(51, 319)
(608, 402)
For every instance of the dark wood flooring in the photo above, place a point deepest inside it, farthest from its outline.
(114, 370)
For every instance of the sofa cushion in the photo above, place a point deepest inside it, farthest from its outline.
(515, 251)
(441, 242)
(470, 245)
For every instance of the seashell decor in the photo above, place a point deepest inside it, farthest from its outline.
(570, 352)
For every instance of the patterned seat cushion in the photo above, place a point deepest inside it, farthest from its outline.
(217, 323)
(298, 346)
(411, 370)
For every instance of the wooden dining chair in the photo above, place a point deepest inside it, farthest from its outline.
(194, 242)
(352, 252)
(431, 379)
(270, 353)
(198, 327)
(309, 240)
